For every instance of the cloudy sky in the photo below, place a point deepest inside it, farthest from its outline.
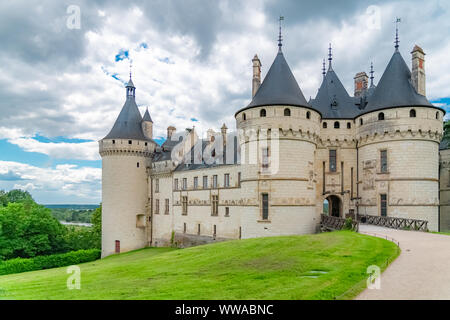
(62, 76)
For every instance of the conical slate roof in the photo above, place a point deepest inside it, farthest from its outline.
(332, 99)
(279, 87)
(128, 123)
(147, 117)
(395, 88)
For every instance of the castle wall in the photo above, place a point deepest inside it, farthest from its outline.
(124, 195)
(444, 189)
(411, 180)
(339, 182)
(289, 180)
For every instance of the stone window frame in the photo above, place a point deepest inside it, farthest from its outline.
(324, 125)
(205, 182)
(215, 181)
(167, 206)
(214, 205)
(195, 182)
(385, 201)
(287, 112)
(156, 206)
(175, 184)
(227, 211)
(262, 216)
(386, 158)
(226, 180)
(184, 205)
(156, 185)
(330, 157)
(184, 184)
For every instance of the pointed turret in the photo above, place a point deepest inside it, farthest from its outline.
(147, 125)
(128, 123)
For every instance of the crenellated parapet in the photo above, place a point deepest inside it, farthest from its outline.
(126, 147)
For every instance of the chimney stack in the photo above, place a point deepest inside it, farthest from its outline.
(224, 133)
(418, 69)
(361, 82)
(170, 131)
(256, 74)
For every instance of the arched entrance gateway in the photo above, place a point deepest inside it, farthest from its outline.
(334, 206)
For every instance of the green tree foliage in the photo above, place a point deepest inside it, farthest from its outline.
(446, 131)
(28, 229)
(15, 196)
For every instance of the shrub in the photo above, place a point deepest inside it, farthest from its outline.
(348, 224)
(18, 265)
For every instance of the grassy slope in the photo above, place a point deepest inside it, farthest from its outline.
(264, 268)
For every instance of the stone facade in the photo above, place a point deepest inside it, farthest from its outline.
(291, 160)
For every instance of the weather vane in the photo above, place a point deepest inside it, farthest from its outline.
(397, 20)
(279, 36)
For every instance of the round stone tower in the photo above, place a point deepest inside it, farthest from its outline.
(277, 133)
(398, 135)
(126, 155)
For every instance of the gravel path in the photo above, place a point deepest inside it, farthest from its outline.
(422, 271)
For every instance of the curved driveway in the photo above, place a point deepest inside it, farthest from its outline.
(422, 270)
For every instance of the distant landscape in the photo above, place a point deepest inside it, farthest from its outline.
(72, 213)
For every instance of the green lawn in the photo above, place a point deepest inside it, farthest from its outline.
(319, 266)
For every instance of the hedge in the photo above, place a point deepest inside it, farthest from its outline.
(18, 265)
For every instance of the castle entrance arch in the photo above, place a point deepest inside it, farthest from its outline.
(334, 206)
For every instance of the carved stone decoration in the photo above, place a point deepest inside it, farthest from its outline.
(369, 174)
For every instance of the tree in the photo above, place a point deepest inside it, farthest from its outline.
(96, 220)
(446, 136)
(3, 198)
(21, 196)
(28, 230)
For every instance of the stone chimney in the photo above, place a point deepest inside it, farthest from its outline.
(170, 131)
(361, 83)
(256, 74)
(418, 69)
(224, 133)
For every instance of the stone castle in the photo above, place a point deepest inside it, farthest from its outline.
(375, 153)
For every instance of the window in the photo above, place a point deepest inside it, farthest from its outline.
(244, 117)
(215, 205)
(262, 113)
(361, 122)
(308, 115)
(227, 211)
(226, 180)
(324, 125)
(437, 115)
(184, 183)
(265, 158)
(215, 181)
(176, 184)
(157, 185)
(287, 112)
(215, 230)
(336, 124)
(239, 179)
(332, 160)
(412, 113)
(383, 162)
(265, 206)
(129, 141)
(195, 182)
(157, 206)
(114, 141)
(166, 210)
(349, 125)
(137, 165)
(198, 229)
(381, 116)
(146, 144)
(117, 246)
(184, 203)
(205, 182)
(184, 227)
(383, 205)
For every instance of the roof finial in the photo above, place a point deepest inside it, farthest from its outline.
(131, 64)
(279, 36)
(397, 20)
(323, 68)
(371, 74)
(329, 57)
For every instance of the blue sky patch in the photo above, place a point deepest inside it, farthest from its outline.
(122, 55)
(194, 119)
(59, 139)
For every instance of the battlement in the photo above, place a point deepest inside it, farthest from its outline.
(126, 147)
